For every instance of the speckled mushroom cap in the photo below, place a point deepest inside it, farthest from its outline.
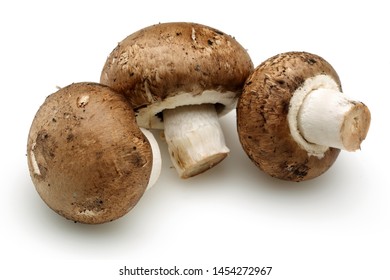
(172, 64)
(262, 122)
(87, 157)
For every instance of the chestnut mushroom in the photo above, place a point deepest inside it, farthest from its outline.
(180, 77)
(87, 157)
(292, 118)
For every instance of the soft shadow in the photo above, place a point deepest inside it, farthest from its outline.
(50, 230)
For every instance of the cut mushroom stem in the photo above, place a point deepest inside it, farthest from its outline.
(328, 118)
(156, 166)
(194, 137)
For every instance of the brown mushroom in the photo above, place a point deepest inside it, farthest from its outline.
(87, 157)
(180, 77)
(292, 118)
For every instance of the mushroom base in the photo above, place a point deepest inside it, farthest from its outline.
(203, 165)
(329, 118)
(195, 139)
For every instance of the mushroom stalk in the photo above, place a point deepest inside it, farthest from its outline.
(156, 165)
(194, 137)
(328, 118)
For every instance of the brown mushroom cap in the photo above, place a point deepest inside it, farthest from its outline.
(87, 157)
(262, 116)
(157, 64)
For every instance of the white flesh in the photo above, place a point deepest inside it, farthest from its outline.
(321, 116)
(34, 162)
(194, 137)
(328, 118)
(148, 117)
(156, 167)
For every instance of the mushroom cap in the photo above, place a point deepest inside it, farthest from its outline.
(87, 157)
(262, 122)
(173, 64)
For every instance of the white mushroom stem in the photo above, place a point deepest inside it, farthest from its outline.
(194, 137)
(328, 118)
(156, 166)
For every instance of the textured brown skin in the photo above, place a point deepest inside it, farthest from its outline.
(262, 116)
(164, 59)
(91, 155)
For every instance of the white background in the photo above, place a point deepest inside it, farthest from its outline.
(336, 226)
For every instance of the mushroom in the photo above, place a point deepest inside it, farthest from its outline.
(87, 157)
(180, 77)
(292, 118)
